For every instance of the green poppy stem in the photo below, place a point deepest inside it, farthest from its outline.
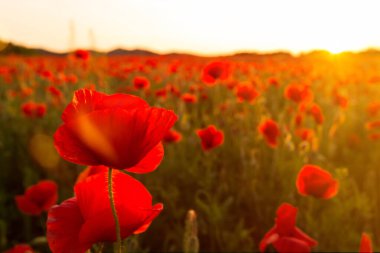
(117, 224)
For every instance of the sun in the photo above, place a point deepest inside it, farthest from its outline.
(337, 50)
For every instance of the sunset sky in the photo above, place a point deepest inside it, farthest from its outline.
(198, 26)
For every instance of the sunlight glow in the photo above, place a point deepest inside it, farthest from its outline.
(208, 27)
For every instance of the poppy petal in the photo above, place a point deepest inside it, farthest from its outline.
(286, 218)
(150, 162)
(89, 171)
(270, 237)
(72, 149)
(365, 244)
(44, 194)
(291, 244)
(121, 101)
(63, 226)
(115, 138)
(84, 101)
(154, 212)
(299, 234)
(26, 206)
(132, 200)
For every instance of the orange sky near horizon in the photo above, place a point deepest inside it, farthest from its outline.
(207, 27)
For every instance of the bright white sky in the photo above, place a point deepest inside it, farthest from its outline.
(201, 26)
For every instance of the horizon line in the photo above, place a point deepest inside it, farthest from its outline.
(190, 52)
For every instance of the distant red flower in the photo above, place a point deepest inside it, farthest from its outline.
(90, 171)
(20, 248)
(316, 182)
(246, 92)
(341, 101)
(26, 92)
(79, 222)
(231, 84)
(189, 98)
(210, 137)
(161, 93)
(204, 96)
(119, 131)
(46, 74)
(38, 198)
(316, 112)
(306, 134)
(172, 136)
(298, 119)
(33, 110)
(373, 124)
(82, 54)
(73, 79)
(285, 236)
(273, 81)
(54, 91)
(141, 82)
(214, 71)
(173, 89)
(373, 108)
(298, 93)
(365, 244)
(374, 136)
(270, 130)
(40, 110)
(28, 109)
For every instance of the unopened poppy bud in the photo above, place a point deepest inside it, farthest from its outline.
(191, 241)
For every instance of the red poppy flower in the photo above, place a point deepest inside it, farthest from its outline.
(28, 109)
(77, 223)
(161, 93)
(317, 114)
(40, 110)
(141, 82)
(173, 89)
(373, 108)
(82, 54)
(298, 119)
(340, 100)
(273, 81)
(298, 93)
(172, 136)
(71, 78)
(373, 124)
(214, 71)
(305, 134)
(365, 244)
(285, 236)
(189, 98)
(33, 110)
(374, 136)
(90, 171)
(119, 131)
(20, 248)
(270, 130)
(38, 198)
(316, 182)
(46, 74)
(55, 92)
(246, 92)
(210, 137)
(26, 92)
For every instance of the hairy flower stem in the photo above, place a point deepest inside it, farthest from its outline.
(117, 224)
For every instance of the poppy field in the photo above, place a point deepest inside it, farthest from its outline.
(170, 153)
